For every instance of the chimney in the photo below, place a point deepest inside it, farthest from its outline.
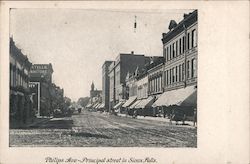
(132, 52)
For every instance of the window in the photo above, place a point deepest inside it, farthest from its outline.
(176, 48)
(176, 73)
(188, 38)
(170, 52)
(170, 76)
(183, 71)
(194, 40)
(193, 68)
(167, 54)
(180, 72)
(188, 69)
(164, 52)
(180, 46)
(173, 48)
(183, 44)
(167, 77)
(173, 78)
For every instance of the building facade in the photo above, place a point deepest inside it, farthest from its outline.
(20, 98)
(180, 69)
(112, 93)
(125, 63)
(180, 52)
(105, 84)
(40, 85)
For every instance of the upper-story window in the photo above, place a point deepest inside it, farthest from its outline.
(167, 53)
(193, 67)
(176, 48)
(188, 69)
(180, 48)
(183, 44)
(194, 39)
(188, 41)
(164, 52)
(173, 73)
(173, 48)
(180, 72)
(170, 52)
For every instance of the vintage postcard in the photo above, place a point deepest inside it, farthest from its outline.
(117, 82)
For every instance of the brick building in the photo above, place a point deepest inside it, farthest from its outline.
(40, 86)
(123, 64)
(20, 98)
(105, 84)
(180, 69)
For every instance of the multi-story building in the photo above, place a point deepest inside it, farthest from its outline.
(180, 69)
(20, 98)
(155, 74)
(105, 84)
(40, 85)
(112, 94)
(125, 63)
(180, 52)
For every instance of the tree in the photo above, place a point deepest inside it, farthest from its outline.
(83, 101)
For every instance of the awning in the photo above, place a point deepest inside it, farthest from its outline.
(118, 105)
(145, 102)
(134, 104)
(95, 105)
(129, 101)
(102, 105)
(89, 105)
(181, 97)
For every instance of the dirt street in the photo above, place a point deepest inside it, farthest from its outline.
(93, 129)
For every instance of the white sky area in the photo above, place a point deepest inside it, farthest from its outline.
(78, 41)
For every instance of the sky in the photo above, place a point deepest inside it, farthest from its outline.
(78, 41)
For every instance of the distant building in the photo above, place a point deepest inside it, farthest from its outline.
(112, 93)
(95, 95)
(20, 99)
(40, 85)
(123, 64)
(105, 84)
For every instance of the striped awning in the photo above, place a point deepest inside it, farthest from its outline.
(180, 97)
(129, 101)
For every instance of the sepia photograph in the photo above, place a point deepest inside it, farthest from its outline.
(103, 78)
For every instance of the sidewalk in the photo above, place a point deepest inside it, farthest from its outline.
(29, 124)
(162, 119)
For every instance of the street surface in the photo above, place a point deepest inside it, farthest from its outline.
(94, 129)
